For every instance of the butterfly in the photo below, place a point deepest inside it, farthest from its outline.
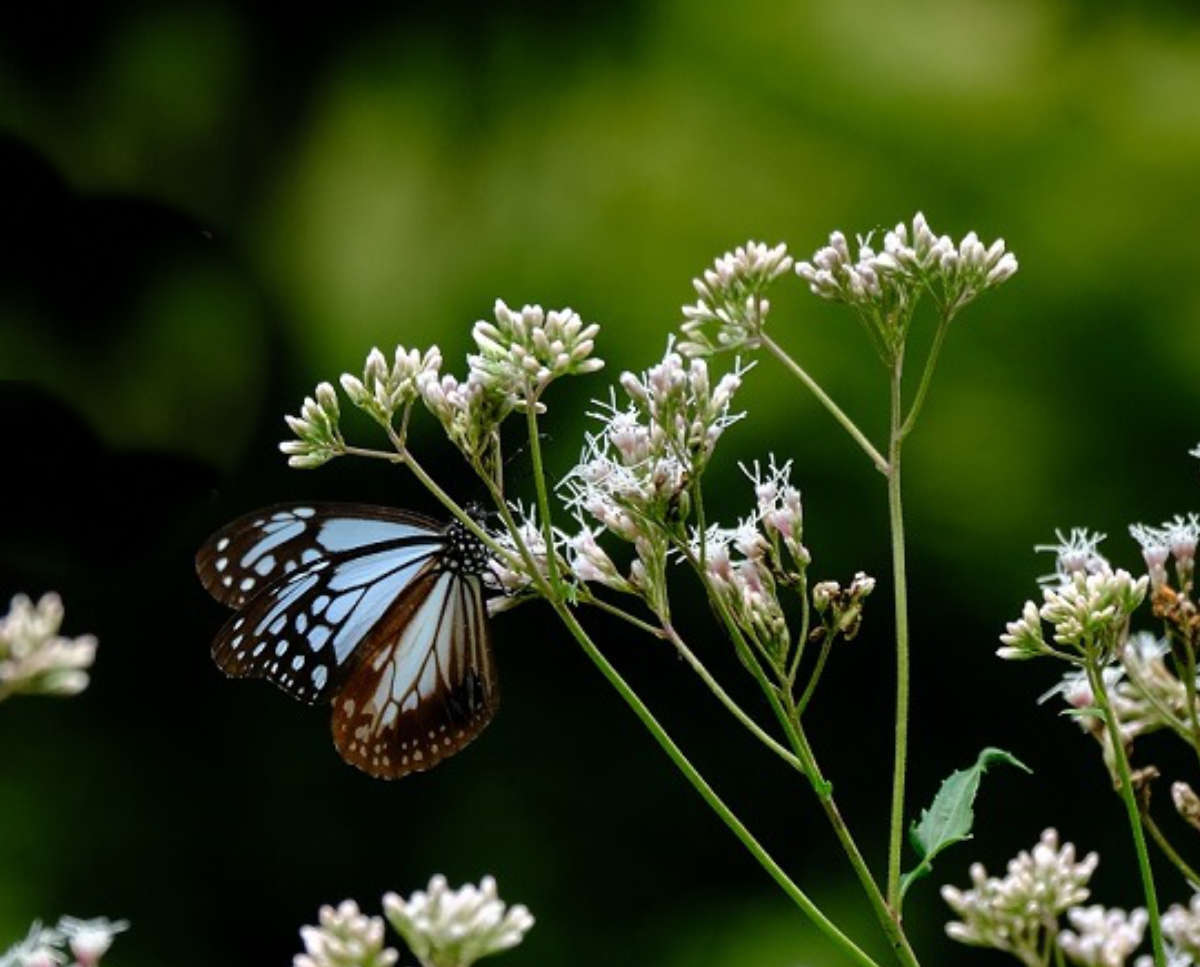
(378, 611)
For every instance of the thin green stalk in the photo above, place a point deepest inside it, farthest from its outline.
(825, 400)
(802, 637)
(539, 482)
(1189, 685)
(781, 703)
(586, 597)
(900, 586)
(725, 699)
(822, 657)
(446, 501)
(1168, 850)
(707, 793)
(1129, 797)
(935, 349)
(887, 917)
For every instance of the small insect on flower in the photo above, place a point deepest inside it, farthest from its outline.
(379, 611)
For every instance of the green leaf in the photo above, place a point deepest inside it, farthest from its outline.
(949, 818)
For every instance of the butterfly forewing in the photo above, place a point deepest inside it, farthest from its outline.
(258, 550)
(302, 633)
(425, 685)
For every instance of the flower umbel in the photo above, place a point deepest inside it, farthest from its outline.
(732, 310)
(455, 928)
(885, 286)
(34, 657)
(1102, 938)
(1011, 913)
(318, 437)
(383, 390)
(345, 938)
(524, 350)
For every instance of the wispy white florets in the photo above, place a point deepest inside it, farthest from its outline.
(639, 465)
(1011, 912)
(1074, 553)
(455, 928)
(1102, 938)
(318, 437)
(732, 309)
(524, 350)
(1177, 539)
(34, 657)
(511, 574)
(780, 510)
(87, 940)
(383, 390)
(345, 938)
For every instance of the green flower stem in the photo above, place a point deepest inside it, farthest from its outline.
(586, 597)
(539, 481)
(443, 498)
(825, 400)
(824, 790)
(785, 711)
(900, 586)
(706, 792)
(823, 923)
(935, 349)
(1096, 680)
(724, 698)
(1189, 684)
(822, 656)
(1168, 850)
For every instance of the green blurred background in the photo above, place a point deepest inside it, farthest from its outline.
(208, 210)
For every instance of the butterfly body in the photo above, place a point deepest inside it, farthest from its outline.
(378, 611)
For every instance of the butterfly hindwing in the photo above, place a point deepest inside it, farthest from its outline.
(425, 684)
(260, 549)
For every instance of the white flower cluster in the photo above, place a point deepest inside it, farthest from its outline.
(1181, 929)
(1102, 938)
(1011, 913)
(34, 657)
(523, 351)
(1176, 539)
(1085, 600)
(455, 928)
(86, 940)
(961, 271)
(1093, 606)
(731, 301)
(739, 568)
(634, 474)
(511, 573)
(383, 390)
(779, 508)
(884, 285)
(345, 938)
(519, 355)
(318, 438)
